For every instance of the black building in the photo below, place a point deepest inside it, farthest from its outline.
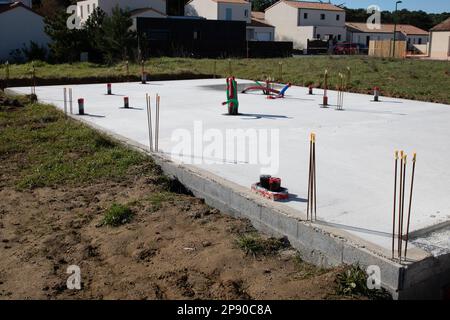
(179, 36)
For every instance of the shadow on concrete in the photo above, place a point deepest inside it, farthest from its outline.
(257, 116)
(131, 108)
(91, 115)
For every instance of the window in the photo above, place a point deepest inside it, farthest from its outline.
(246, 13)
(93, 6)
(338, 17)
(420, 40)
(322, 16)
(81, 11)
(318, 36)
(228, 14)
(88, 8)
(305, 15)
(339, 37)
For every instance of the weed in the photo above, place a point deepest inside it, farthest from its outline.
(117, 215)
(255, 245)
(353, 282)
(159, 198)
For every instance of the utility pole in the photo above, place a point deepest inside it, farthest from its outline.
(395, 27)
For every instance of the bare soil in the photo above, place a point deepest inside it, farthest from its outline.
(175, 248)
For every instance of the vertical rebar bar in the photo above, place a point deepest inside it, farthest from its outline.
(70, 101)
(65, 101)
(400, 204)
(158, 101)
(309, 178)
(149, 122)
(410, 203)
(403, 206)
(314, 177)
(395, 202)
(311, 207)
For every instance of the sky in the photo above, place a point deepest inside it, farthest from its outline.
(431, 6)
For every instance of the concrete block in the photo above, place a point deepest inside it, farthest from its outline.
(247, 207)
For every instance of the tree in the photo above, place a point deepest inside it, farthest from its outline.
(66, 44)
(95, 33)
(261, 5)
(117, 41)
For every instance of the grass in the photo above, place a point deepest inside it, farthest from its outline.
(424, 80)
(353, 282)
(51, 150)
(117, 215)
(159, 198)
(255, 245)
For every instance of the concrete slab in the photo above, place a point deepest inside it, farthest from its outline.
(354, 161)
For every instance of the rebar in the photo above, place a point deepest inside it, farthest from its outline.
(410, 202)
(311, 207)
(395, 203)
(149, 122)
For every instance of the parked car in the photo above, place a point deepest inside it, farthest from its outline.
(346, 48)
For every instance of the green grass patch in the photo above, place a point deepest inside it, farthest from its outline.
(424, 80)
(51, 150)
(158, 199)
(353, 282)
(255, 245)
(117, 215)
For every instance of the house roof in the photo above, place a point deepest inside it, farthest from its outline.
(387, 28)
(258, 20)
(310, 5)
(142, 10)
(232, 1)
(443, 26)
(10, 6)
(225, 1)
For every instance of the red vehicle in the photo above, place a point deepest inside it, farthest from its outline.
(346, 48)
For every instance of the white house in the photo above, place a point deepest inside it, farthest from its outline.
(361, 34)
(19, 25)
(258, 29)
(440, 41)
(298, 21)
(233, 10)
(85, 8)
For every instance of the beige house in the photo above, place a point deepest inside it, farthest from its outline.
(298, 21)
(232, 10)
(360, 33)
(440, 41)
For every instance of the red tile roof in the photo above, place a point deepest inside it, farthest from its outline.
(258, 20)
(313, 5)
(443, 26)
(387, 28)
(232, 1)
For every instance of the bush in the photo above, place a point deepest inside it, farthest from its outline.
(117, 215)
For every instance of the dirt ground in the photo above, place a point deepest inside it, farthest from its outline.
(175, 248)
